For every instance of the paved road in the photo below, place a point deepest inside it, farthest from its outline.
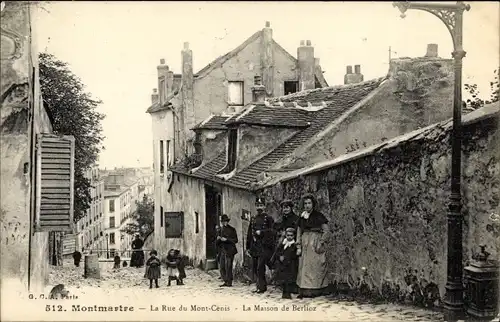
(200, 299)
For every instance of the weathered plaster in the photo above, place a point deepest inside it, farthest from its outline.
(213, 142)
(387, 209)
(256, 141)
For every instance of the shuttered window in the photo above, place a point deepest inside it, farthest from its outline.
(174, 224)
(235, 93)
(54, 182)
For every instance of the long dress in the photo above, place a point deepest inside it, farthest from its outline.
(153, 270)
(312, 278)
(137, 258)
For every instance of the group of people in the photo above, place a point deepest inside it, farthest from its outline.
(175, 268)
(294, 247)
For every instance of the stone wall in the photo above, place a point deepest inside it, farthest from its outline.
(387, 206)
(21, 101)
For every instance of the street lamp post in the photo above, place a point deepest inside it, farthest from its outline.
(451, 14)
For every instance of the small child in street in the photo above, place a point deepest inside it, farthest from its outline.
(287, 263)
(153, 268)
(174, 264)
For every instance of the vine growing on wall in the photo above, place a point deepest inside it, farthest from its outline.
(475, 101)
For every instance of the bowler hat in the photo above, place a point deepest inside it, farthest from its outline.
(224, 218)
(260, 200)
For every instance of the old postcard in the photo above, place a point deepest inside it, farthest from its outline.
(249, 161)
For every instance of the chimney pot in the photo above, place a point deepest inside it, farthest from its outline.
(348, 70)
(162, 61)
(257, 80)
(155, 90)
(432, 50)
(308, 43)
(268, 24)
(357, 69)
(302, 42)
(186, 45)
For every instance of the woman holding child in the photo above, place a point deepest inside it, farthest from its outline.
(312, 237)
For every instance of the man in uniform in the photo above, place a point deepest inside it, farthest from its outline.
(227, 240)
(260, 243)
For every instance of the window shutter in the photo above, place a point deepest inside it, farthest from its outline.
(55, 157)
(174, 224)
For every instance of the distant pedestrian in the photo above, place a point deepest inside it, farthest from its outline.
(227, 240)
(153, 268)
(286, 260)
(137, 258)
(77, 257)
(116, 261)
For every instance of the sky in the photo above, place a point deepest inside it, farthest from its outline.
(114, 47)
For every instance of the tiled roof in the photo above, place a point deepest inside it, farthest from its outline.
(273, 116)
(337, 99)
(156, 107)
(214, 122)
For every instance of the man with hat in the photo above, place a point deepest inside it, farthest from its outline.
(260, 243)
(226, 243)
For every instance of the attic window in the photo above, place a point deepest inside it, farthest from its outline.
(291, 87)
(235, 93)
(232, 144)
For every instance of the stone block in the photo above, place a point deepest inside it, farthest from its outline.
(91, 268)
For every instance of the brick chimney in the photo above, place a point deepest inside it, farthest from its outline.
(353, 78)
(187, 111)
(162, 81)
(154, 96)
(306, 62)
(258, 91)
(432, 50)
(267, 59)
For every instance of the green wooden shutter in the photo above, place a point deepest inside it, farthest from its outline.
(55, 157)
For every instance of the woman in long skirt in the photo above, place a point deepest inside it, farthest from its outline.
(312, 236)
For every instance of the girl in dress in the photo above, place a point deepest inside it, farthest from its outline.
(286, 258)
(153, 268)
(312, 238)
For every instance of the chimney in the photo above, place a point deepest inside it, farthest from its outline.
(162, 80)
(187, 111)
(353, 78)
(432, 50)
(258, 91)
(154, 96)
(306, 62)
(267, 59)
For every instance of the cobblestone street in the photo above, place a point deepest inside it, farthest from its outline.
(203, 300)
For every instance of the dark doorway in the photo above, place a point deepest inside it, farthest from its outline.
(213, 210)
(291, 87)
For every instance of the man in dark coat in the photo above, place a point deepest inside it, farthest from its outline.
(260, 243)
(227, 240)
(77, 256)
(137, 259)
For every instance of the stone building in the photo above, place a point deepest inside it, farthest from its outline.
(237, 154)
(36, 166)
(223, 87)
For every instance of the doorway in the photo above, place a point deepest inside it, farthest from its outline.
(213, 211)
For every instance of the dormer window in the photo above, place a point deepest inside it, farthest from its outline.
(232, 149)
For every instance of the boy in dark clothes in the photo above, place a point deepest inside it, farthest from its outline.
(286, 262)
(153, 269)
(77, 256)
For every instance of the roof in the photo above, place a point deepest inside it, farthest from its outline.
(213, 122)
(222, 59)
(486, 112)
(156, 107)
(337, 99)
(273, 116)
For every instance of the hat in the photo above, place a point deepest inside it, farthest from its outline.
(260, 200)
(286, 202)
(224, 218)
(290, 230)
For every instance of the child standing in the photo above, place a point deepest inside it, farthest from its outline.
(153, 268)
(287, 263)
(174, 264)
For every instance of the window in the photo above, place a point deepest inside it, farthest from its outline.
(54, 184)
(291, 87)
(111, 205)
(168, 153)
(235, 93)
(197, 221)
(174, 224)
(161, 216)
(162, 157)
(112, 222)
(112, 238)
(232, 144)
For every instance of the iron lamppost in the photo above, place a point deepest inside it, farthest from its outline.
(451, 14)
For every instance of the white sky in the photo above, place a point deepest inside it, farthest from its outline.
(114, 47)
